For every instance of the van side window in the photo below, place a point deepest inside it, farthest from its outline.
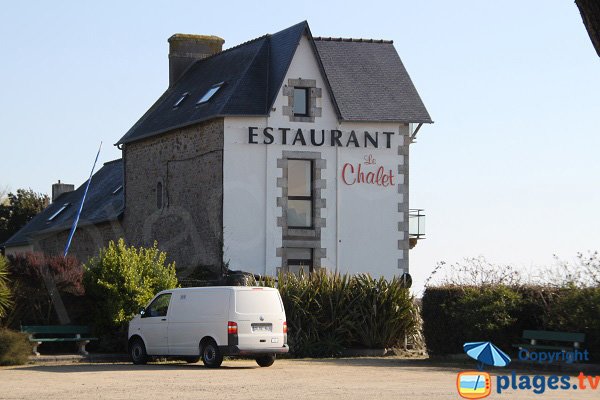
(159, 307)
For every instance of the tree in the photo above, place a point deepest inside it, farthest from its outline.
(590, 14)
(18, 210)
(4, 194)
(119, 282)
(33, 301)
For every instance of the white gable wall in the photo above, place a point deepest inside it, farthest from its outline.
(361, 232)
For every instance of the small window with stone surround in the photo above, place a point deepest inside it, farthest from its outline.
(302, 97)
(301, 105)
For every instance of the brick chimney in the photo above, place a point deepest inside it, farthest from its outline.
(60, 188)
(184, 49)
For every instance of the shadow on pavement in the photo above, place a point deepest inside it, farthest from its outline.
(393, 362)
(81, 367)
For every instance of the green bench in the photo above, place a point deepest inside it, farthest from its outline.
(560, 341)
(58, 333)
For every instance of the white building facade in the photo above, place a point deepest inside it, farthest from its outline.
(324, 193)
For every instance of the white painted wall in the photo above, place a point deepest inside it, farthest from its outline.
(361, 234)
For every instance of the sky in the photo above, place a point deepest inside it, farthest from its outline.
(508, 171)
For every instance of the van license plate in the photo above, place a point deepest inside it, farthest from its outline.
(262, 327)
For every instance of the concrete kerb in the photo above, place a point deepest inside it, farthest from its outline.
(90, 358)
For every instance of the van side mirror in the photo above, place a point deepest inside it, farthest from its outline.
(142, 312)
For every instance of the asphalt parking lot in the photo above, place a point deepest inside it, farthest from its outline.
(355, 378)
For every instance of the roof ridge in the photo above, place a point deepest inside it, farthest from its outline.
(357, 40)
(233, 48)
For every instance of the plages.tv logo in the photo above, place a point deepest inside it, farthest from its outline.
(478, 384)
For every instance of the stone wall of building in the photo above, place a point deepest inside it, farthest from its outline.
(88, 239)
(174, 195)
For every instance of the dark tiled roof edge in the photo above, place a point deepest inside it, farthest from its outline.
(332, 39)
(102, 205)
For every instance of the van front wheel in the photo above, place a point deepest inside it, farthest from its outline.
(265, 361)
(137, 352)
(211, 356)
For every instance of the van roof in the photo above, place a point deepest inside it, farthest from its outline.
(237, 288)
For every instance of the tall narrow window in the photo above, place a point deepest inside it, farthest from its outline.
(300, 101)
(300, 196)
(159, 195)
(300, 259)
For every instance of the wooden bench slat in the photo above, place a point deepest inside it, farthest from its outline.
(71, 339)
(554, 336)
(75, 332)
(55, 329)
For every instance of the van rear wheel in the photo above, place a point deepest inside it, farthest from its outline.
(265, 361)
(211, 356)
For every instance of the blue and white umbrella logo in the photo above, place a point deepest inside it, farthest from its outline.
(486, 353)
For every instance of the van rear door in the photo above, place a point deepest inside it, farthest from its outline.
(260, 316)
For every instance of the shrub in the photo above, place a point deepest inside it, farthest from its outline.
(119, 282)
(329, 312)
(5, 294)
(29, 273)
(454, 315)
(15, 347)
(573, 309)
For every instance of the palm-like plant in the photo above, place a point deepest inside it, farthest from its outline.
(329, 312)
(5, 293)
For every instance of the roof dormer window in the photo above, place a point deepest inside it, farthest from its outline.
(210, 93)
(181, 99)
(57, 213)
(302, 100)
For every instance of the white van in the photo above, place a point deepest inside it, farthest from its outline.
(210, 322)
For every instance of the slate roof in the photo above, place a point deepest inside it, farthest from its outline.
(369, 81)
(101, 205)
(253, 72)
(366, 79)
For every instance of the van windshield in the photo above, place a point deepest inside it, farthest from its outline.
(257, 302)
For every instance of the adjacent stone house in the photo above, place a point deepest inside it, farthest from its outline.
(286, 152)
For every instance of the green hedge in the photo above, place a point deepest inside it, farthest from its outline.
(328, 312)
(453, 315)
